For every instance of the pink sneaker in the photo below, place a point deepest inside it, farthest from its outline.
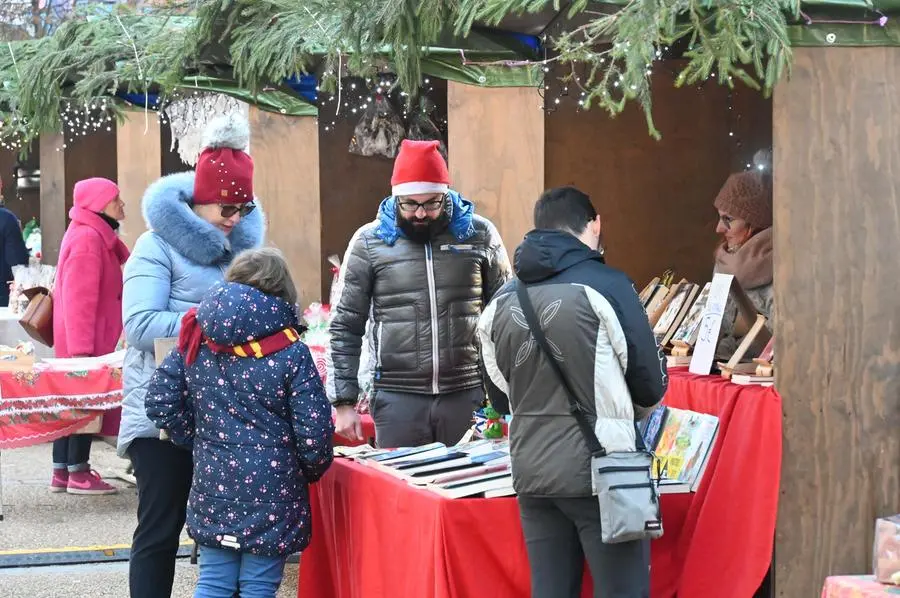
(60, 480)
(88, 482)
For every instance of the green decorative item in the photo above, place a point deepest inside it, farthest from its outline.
(26, 231)
(494, 427)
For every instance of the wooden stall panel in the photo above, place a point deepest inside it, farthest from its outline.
(655, 197)
(54, 205)
(285, 152)
(138, 149)
(93, 155)
(496, 145)
(837, 241)
(351, 187)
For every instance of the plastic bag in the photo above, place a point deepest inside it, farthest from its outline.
(379, 131)
(422, 128)
(28, 277)
(886, 553)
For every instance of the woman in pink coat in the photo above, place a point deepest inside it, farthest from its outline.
(87, 311)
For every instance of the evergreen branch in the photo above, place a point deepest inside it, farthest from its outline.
(269, 40)
(744, 39)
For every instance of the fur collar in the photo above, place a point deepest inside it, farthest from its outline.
(167, 213)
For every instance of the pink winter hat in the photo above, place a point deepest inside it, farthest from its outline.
(94, 194)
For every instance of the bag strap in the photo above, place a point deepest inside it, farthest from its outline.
(575, 409)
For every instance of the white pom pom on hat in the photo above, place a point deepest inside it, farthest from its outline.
(229, 130)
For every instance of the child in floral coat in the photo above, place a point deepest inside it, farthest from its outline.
(243, 392)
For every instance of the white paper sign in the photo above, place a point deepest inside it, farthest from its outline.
(711, 324)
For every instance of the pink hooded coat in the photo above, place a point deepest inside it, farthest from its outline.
(87, 295)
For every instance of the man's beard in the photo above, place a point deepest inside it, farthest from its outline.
(424, 230)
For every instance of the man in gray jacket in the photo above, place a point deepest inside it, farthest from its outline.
(422, 271)
(599, 334)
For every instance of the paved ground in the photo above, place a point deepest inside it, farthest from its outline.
(38, 521)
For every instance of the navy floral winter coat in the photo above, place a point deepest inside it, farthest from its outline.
(261, 429)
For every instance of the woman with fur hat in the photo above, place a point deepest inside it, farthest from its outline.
(745, 223)
(87, 311)
(198, 222)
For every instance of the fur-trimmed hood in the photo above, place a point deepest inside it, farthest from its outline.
(167, 212)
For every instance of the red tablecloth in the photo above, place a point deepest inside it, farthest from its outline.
(729, 531)
(376, 537)
(37, 407)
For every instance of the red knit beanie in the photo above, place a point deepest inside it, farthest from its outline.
(224, 172)
(419, 168)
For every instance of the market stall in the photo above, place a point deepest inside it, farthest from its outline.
(411, 542)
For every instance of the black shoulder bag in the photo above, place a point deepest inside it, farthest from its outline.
(626, 491)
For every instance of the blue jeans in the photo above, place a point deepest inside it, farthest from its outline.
(223, 572)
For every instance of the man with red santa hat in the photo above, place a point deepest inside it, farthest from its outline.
(422, 271)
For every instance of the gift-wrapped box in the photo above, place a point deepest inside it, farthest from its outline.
(886, 553)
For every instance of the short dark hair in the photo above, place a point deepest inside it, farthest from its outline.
(564, 208)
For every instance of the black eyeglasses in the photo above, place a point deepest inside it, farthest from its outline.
(410, 206)
(243, 210)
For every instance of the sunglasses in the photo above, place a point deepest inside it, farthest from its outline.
(243, 210)
(410, 206)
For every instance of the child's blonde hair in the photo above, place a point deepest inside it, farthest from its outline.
(264, 269)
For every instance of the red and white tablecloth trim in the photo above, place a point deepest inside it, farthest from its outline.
(57, 403)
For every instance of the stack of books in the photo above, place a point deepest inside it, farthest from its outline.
(477, 468)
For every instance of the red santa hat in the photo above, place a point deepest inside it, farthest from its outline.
(419, 168)
(224, 172)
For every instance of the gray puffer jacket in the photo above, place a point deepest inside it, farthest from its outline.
(424, 301)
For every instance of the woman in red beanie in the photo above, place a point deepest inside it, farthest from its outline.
(745, 224)
(87, 311)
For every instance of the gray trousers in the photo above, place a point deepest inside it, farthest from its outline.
(560, 533)
(405, 419)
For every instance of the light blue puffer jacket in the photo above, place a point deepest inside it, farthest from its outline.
(172, 267)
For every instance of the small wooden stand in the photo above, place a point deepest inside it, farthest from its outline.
(689, 294)
(661, 307)
(757, 335)
(644, 295)
(765, 364)
(680, 349)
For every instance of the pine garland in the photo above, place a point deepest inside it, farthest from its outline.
(14, 124)
(87, 60)
(266, 41)
(743, 39)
